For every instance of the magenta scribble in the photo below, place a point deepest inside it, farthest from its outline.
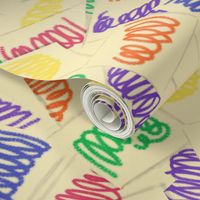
(90, 187)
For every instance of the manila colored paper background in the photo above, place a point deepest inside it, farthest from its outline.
(54, 43)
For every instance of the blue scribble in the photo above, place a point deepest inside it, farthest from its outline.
(18, 153)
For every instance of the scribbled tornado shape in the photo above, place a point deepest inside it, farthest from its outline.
(144, 39)
(91, 186)
(37, 66)
(56, 94)
(18, 154)
(187, 89)
(185, 168)
(41, 10)
(15, 116)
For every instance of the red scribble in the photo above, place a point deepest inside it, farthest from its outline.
(91, 187)
(53, 91)
(145, 38)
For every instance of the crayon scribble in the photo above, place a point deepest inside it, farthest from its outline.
(15, 116)
(193, 5)
(18, 154)
(101, 149)
(89, 6)
(152, 131)
(66, 34)
(37, 66)
(78, 76)
(91, 150)
(91, 187)
(106, 22)
(55, 94)
(139, 34)
(185, 168)
(137, 90)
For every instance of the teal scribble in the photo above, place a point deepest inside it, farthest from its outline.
(77, 76)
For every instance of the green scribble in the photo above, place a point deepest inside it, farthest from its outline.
(89, 6)
(100, 149)
(152, 131)
(77, 76)
(127, 141)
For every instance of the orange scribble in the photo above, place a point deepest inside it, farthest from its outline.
(144, 39)
(56, 94)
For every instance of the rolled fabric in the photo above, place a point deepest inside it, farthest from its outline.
(137, 68)
(120, 116)
(140, 74)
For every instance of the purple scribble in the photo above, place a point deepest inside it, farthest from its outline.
(105, 22)
(20, 118)
(185, 168)
(137, 90)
